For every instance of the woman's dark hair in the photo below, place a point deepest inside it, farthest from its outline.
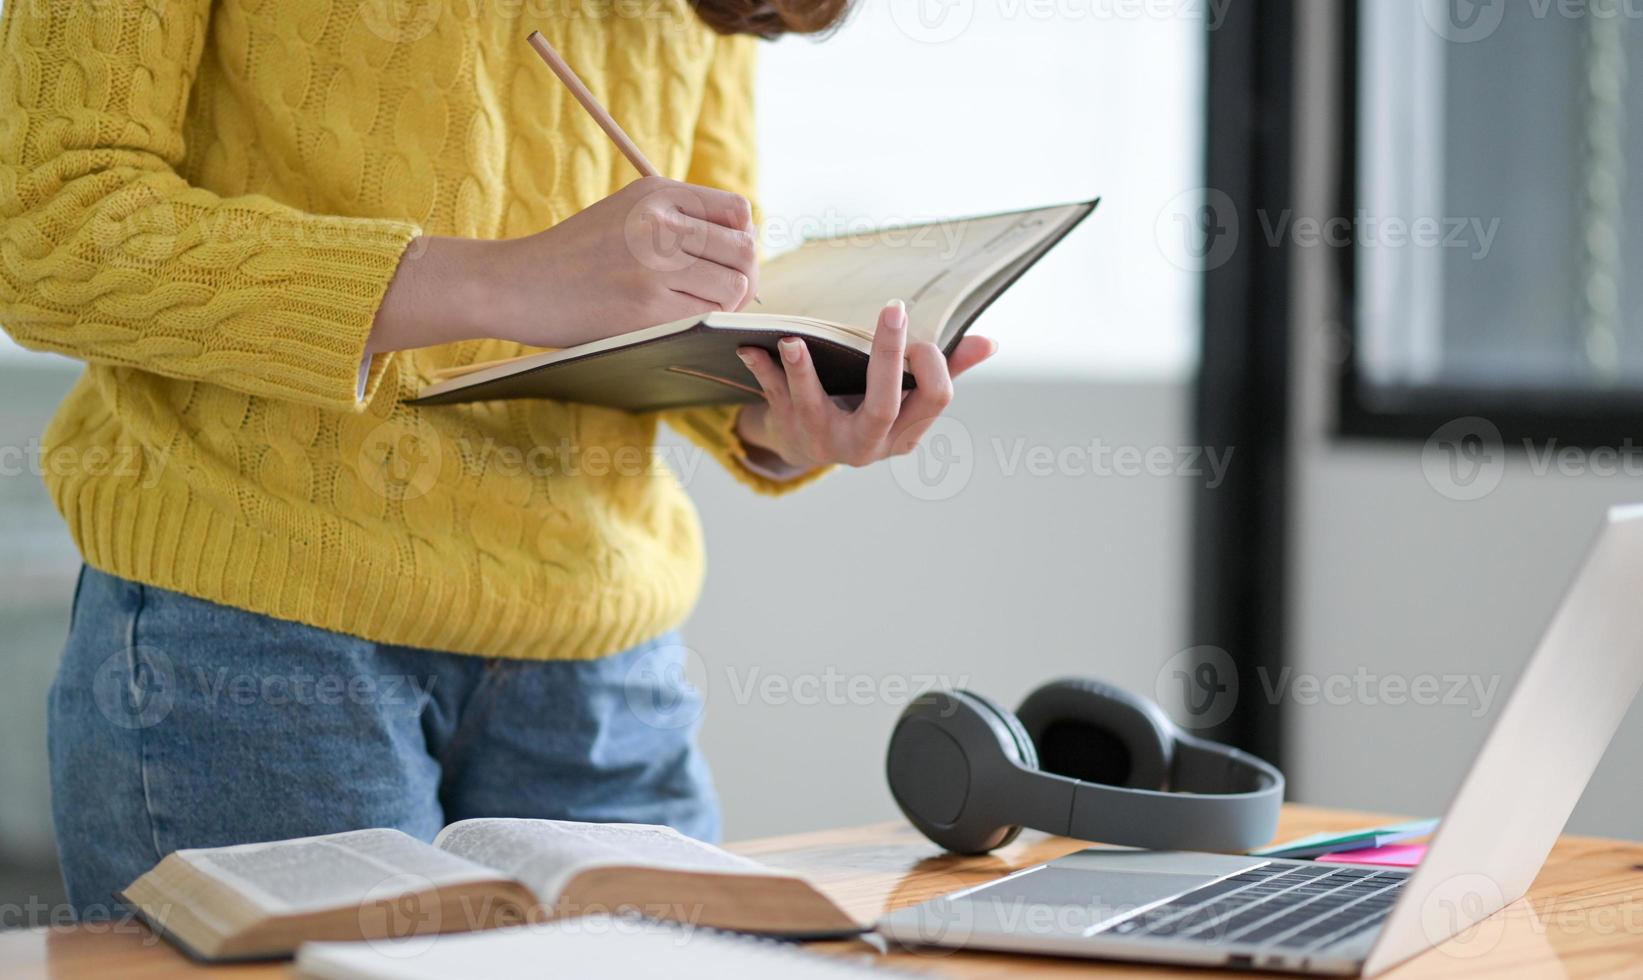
(772, 18)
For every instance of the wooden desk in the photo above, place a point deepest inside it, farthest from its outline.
(1583, 918)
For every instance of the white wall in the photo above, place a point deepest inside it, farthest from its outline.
(1398, 579)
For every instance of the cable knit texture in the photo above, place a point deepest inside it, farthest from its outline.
(206, 201)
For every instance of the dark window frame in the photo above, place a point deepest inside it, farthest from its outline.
(1525, 417)
(1242, 399)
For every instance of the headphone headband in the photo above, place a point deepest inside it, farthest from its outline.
(1221, 800)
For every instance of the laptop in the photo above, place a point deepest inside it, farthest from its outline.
(1349, 920)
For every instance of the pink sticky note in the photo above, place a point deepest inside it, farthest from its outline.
(1392, 855)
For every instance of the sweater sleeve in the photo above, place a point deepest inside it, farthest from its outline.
(109, 256)
(725, 156)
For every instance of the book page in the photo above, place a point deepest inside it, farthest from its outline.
(930, 267)
(336, 870)
(545, 854)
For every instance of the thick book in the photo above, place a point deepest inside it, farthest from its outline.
(260, 901)
(828, 291)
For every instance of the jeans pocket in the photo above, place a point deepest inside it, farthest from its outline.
(74, 600)
(135, 684)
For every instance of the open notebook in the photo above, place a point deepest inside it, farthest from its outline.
(597, 946)
(828, 291)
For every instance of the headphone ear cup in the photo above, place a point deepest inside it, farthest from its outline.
(940, 744)
(1097, 733)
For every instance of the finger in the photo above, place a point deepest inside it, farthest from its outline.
(711, 282)
(770, 377)
(810, 403)
(752, 274)
(882, 402)
(733, 248)
(673, 304)
(712, 204)
(932, 396)
(970, 352)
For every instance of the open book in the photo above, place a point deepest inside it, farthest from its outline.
(828, 291)
(257, 901)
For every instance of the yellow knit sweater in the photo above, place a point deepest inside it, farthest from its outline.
(205, 201)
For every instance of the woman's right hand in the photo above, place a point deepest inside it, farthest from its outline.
(656, 251)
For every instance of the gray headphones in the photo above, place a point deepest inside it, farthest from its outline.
(1079, 758)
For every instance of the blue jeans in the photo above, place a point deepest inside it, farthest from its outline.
(176, 722)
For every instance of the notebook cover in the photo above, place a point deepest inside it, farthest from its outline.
(697, 366)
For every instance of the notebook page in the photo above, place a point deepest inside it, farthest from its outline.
(593, 946)
(930, 267)
(545, 854)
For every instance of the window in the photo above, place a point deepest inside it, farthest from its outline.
(1492, 216)
(923, 109)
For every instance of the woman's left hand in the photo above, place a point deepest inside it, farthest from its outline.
(799, 427)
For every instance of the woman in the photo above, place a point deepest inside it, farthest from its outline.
(308, 606)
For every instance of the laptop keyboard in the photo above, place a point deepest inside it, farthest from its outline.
(1291, 906)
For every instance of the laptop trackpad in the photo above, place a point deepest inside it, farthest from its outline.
(1069, 900)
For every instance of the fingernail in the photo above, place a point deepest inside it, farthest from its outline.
(747, 357)
(791, 350)
(900, 319)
